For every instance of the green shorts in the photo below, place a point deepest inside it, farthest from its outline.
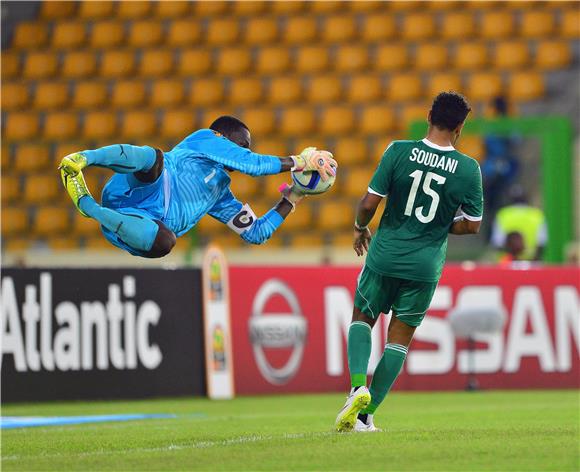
(409, 299)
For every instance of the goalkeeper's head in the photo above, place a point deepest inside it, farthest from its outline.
(448, 112)
(233, 129)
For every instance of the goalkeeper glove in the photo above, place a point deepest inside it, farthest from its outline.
(311, 159)
(291, 194)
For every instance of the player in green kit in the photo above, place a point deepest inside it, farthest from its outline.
(426, 183)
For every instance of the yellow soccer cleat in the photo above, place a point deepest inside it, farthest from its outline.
(73, 163)
(357, 400)
(76, 188)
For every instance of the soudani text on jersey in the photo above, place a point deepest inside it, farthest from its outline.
(434, 160)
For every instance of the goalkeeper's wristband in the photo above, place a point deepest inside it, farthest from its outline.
(284, 197)
(296, 167)
(360, 228)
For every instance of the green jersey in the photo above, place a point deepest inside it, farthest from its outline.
(425, 185)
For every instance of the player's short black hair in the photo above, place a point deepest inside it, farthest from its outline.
(227, 125)
(449, 110)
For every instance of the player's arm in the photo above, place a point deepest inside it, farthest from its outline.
(461, 225)
(469, 221)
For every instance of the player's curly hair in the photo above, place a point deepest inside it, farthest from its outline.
(227, 125)
(449, 110)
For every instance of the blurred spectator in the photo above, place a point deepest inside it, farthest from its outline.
(520, 229)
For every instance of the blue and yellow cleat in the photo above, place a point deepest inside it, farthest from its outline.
(76, 187)
(357, 400)
(73, 163)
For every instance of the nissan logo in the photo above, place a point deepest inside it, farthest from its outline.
(277, 331)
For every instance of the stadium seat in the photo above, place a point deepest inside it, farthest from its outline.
(243, 186)
(272, 146)
(40, 65)
(183, 32)
(84, 226)
(342, 240)
(231, 240)
(57, 9)
(93, 10)
(156, 63)
(139, 124)
(324, 89)
(41, 188)
(69, 34)
(570, 24)
(213, 8)
(357, 181)
(484, 86)
(472, 145)
(171, 9)
(60, 125)
(339, 28)
(441, 5)
(411, 113)
(350, 150)
(178, 123)
(89, 94)
(377, 119)
(62, 243)
(319, 142)
(30, 35)
(50, 95)
(409, 5)
(366, 6)
(404, 87)
(391, 57)
(134, 9)
(234, 61)
(250, 7)
(261, 30)
(99, 125)
(364, 88)
(334, 215)
(310, 59)
(326, 6)
(496, 24)
(168, 92)
(444, 82)
(10, 188)
(14, 96)
(377, 28)
(300, 30)
(51, 220)
(61, 150)
(297, 120)
(511, 55)
(245, 91)
(299, 220)
(97, 243)
(351, 58)
(79, 64)
(145, 33)
(458, 25)
(417, 26)
(288, 8)
(210, 226)
(301, 240)
(14, 220)
(285, 90)
(273, 60)
(553, 54)
(337, 120)
(525, 86)
(31, 158)
(107, 34)
(269, 186)
(537, 23)
(194, 62)
(204, 92)
(10, 64)
(222, 31)
(117, 63)
(471, 56)
(431, 57)
(21, 125)
(128, 93)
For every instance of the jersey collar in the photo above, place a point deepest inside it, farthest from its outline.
(436, 146)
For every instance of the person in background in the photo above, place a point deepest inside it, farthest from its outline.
(514, 247)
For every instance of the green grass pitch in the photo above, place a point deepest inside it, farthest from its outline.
(519, 430)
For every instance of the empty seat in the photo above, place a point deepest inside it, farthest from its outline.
(302, 240)
(391, 57)
(51, 220)
(31, 158)
(261, 30)
(62, 243)
(178, 123)
(511, 55)
(209, 225)
(351, 58)
(128, 93)
(472, 145)
(107, 34)
(335, 215)
(339, 28)
(10, 188)
(134, 9)
(431, 56)
(285, 90)
(69, 34)
(418, 26)
(99, 125)
(337, 120)
(156, 63)
(471, 56)
(245, 91)
(62, 150)
(484, 86)
(444, 82)
(194, 62)
(324, 89)
(51, 95)
(273, 60)
(145, 33)
(57, 9)
(183, 32)
(404, 87)
(171, 9)
(497, 24)
(297, 120)
(222, 31)
(20, 125)
(357, 181)
(84, 226)
(210, 8)
(234, 61)
(408, 5)
(139, 124)
(89, 94)
(312, 59)
(300, 30)
(378, 27)
(316, 141)
(537, 23)
(204, 92)
(60, 125)
(299, 220)
(10, 64)
(30, 35)
(40, 65)
(439, 5)
(458, 25)
(14, 220)
(119, 63)
(366, 6)
(14, 96)
(92, 10)
(41, 188)
(364, 88)
(329, 6)
(250, 7)
(525, 86)
(376, 119)
(288, 8)
(350, 150)
(261, 121)
(412, 113)
(553, 54)
(570, 23)
(79, 64)
(166, 93)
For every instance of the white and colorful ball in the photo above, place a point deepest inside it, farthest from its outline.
(310, 182)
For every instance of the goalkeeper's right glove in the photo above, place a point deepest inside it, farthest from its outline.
(312, 159)
(291, 194)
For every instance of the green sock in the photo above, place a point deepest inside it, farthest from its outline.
(359, 352)
(385, 374)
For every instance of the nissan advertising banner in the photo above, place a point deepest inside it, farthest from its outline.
(79, 334)
(290, 325)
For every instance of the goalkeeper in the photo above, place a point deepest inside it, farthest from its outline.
(155, 197)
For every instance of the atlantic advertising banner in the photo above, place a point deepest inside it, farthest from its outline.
(289, 328)
(101, 333)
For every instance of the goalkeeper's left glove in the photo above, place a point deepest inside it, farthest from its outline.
(291, 194)
(312, 159)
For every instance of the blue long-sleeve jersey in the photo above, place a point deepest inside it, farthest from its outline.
(195, 182)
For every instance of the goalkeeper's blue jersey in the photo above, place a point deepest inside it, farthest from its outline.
(195, 182)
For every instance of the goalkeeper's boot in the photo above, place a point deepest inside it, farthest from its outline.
(358, 400)
(365, 424)
(73, 163)
(76, 188)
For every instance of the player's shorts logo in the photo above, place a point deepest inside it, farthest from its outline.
(277, 331)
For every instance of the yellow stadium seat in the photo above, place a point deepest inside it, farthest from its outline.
(379, 145)
(326, 6)
(404, 87)
(210, 114)
(62, 243)
(169, 92)
(284, 90)
(10, 64)
(570, 24)
(458, 25)
(364, 88)
(431, 56)
(234, 61)
(210, 8)
(261, 30)
(222, 31)
(209, 225)
(70, 34)
(90, 94)
(350, 151)
(273, 60)
(342, 240)
(311, 59)
(300, 219)
(472, 145)
(337, 120)
(194, 62)
(406, 5)
(339, 28)
(30, 35)
(183, 32)
(511, 55)
(171, 9)
(60, 125)
(250, 7)
(62, 150)
(484, 86)
(156, 63)
(418, 26)
(51, 220)
(497, 24)
(231, 240)
(84, 226)
(302, 240)
(128, 93)
(471, 56)
(140, 124)
(79, 64)
(300, 30)
(245, 91)
(391, 57)
(97, 243)
(376, 119)
(55, 9)
(15, 244)
(42, 188)
(14, 96)
(272, 146)
(364, 6)
(134, 9)
(319, 142)
(40, 65)
(14, 220)
(107, 34)
(288, 8)
(243, 186)
(553, 54)
(297, 120)
(378, 27)
(31, 158)
(92, 10)
(525, 86)
(483, 4)
(6, 157)
(117, 63)
(351, 58)
(335, 215)
(99, 125)
(51, 95)
(537, 23)
(411, 113)
(21, 125)
(10, 188)
(145, 33)
(206, 92)
(178, 123)
(324, 89)
(270, 187)
(440, 5)
(357, 181)
(444, 82)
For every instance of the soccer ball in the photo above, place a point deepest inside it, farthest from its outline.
(309, 182)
